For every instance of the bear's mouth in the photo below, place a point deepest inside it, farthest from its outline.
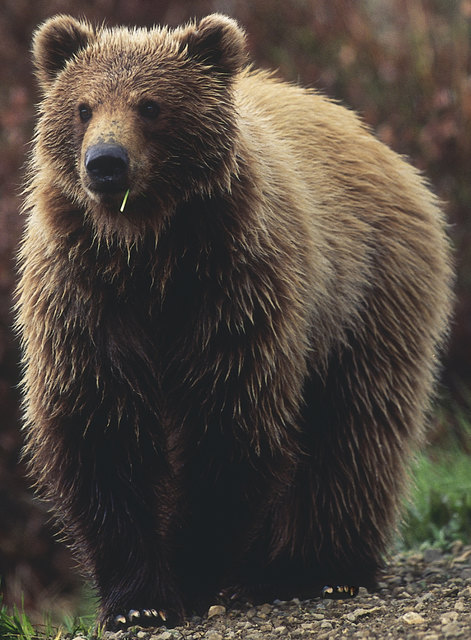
(111, 187)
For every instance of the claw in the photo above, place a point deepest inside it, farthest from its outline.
(340, 592)
(119, 620)
(142, 617)
(133, 615)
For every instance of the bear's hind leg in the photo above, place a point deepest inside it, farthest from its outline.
(360, 424)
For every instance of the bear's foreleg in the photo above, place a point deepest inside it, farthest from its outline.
(103, 485)
(131, 568)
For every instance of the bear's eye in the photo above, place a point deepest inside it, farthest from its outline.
(85, 112)
(149, 109)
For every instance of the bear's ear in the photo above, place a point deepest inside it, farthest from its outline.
(55, 42)
(218, 42)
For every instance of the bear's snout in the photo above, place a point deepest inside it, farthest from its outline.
(107, 167)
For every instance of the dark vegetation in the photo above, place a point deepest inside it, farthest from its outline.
(405, 65)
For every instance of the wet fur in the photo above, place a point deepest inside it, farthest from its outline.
(225, 385)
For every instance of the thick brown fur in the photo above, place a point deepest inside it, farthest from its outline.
(224, 384)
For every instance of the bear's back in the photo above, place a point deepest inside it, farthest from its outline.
(350, 176)
(329, 144)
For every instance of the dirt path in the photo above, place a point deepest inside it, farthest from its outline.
(424, 595)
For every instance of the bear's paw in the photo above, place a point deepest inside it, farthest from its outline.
(341, 592)
(138, 617)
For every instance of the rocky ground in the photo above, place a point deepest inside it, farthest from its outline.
(424, 595)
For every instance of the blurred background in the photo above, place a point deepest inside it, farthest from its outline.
(405, 65)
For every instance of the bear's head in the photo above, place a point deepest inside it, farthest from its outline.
(136, 116)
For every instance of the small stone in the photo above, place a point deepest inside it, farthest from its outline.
(361, 613)
(415, 558)
(411, 617)
(216, 610)
(265, 608)
(141, 634)
(434, 575)
(460, 606)
(447, 618)
(452, 630)
(281, 629)
(212, 635)
(432, 555)
(355, 615)
(456, 547)
(464, 557)
(326, 625)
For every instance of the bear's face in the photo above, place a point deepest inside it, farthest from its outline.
(148, 112)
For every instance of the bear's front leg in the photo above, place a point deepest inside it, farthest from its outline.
(132, 573)
(114, 494)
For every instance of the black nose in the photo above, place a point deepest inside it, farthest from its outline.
(107, 167)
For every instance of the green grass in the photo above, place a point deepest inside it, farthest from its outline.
(15, 625)
(440, 509)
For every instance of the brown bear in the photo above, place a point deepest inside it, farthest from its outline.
(232, 301)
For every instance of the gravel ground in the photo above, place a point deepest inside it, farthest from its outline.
(424, 595)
